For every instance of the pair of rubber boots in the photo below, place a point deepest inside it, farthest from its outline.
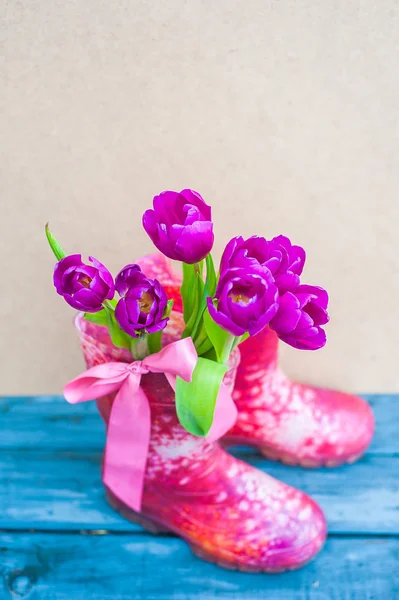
(229, 512)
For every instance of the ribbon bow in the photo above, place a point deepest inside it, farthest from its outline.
(129, 425)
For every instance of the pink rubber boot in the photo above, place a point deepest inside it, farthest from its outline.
(292, 422)
(228, 512)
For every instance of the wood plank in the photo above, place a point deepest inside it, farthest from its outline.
(386, 412)
(63, 490)
(125, 567)
(50, 422)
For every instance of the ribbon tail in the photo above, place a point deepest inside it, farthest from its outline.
(225, 415)
(128, 438)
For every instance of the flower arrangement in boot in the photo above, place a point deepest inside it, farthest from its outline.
(163, 382)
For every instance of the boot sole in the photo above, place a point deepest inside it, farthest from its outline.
(291, 460)
(309, 463)
(155, 527)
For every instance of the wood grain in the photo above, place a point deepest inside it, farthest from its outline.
(59, 566)
(50, 422)
(58, 490)
(59, 540)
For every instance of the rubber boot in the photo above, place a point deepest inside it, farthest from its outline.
(227, 511)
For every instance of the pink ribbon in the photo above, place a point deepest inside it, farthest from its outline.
(129, 425)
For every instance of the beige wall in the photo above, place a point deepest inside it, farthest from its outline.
(284, 115)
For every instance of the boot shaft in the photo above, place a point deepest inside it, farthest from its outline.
(258, 372)
(174, 454)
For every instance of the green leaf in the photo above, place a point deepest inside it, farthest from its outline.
(204, 347)
(241, 339)
(196, 400)
(187, 290)
(154, 341)
(207, 289)
(201, 340)
(119, 338)
(168, 309)
(197, 292)
(210, 283)
(54, 245)
(221, 339)
(112, 303)
(99, 318)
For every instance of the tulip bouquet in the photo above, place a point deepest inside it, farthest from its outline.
(257, 285)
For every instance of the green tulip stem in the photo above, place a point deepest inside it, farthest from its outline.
(139, 348)
(107, 304)
(227, 348)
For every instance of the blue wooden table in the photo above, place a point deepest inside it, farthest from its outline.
(59, 539)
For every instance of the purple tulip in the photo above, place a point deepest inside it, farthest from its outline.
(284, 260)
(180, 225)
(84, 287)
(300, 315)
(143, 302)
(244, 301)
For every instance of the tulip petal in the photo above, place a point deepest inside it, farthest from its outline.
(305, 323)
(316, 291)
(194, 198)
(168, 207)
(288, 314)
(317, 313)
(314, 342)
(105, 276)
(122, 318)
(229, 252)
(85, 299)
(287, 281)
(223, 320)
(128, 277)
(255, 327)
(150, 223)
(195, 242)
(158, 326)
